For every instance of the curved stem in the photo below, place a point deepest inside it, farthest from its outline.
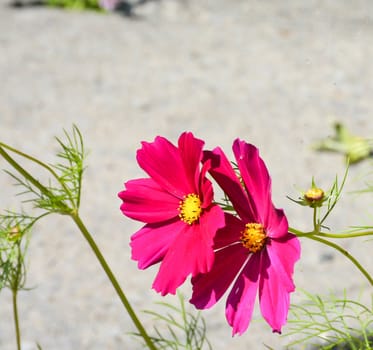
(330, 235)
(16, 320)
(346, 254)
(299, 233)
(345, 235)
(113, 280)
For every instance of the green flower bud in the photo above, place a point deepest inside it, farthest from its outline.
(314, 197)
(14, 234)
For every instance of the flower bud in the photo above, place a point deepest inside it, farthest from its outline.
(314, 197)
(14, 234)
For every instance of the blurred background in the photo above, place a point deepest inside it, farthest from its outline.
(277, 74)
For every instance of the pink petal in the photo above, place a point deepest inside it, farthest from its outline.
(191, 156)
(205, 187)
(283, 253)
(210, 287)
(223, 173)
(230, 233)
(210, 222)
(277, 223)
(241, 299)
(276, 279)
(162, 161)
(256, 178)
(190, 253)
(150, 244)
(273, 295)
(145, 201)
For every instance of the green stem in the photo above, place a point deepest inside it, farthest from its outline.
(315, 225)
(15, 285)
(16, 320)
(299, 233)
(23, 172)
(345, 253)
(113, 280)
(330, 235)
(345, 235)
(27, 175)
(37, 161)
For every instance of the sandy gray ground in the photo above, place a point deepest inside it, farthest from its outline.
(274, 73)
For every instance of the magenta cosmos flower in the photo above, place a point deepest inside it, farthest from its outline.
(254, 252)
(176, 205)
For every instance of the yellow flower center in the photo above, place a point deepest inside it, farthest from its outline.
(253, 237)
(190, 208)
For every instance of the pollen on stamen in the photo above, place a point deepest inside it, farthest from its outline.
(253, 237)
(190, 208)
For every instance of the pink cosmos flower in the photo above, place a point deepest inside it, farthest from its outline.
(176, 205)
(254, 251)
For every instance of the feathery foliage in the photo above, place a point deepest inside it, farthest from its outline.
(177, 328)
(63, 191)
(331, 323)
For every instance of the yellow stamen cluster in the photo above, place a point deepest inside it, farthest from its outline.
(190, 208)
(253, 237)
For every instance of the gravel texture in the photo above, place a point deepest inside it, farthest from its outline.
(275, 73)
